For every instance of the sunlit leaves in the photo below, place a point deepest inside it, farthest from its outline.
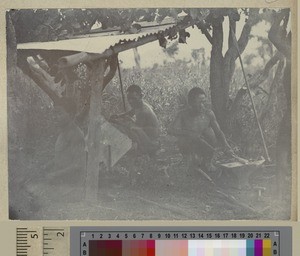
(183, 35)
(172, 50)
(54, 24)
(162, 41)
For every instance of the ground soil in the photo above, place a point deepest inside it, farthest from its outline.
(160, 188)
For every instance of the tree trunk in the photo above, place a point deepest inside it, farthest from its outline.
(284, 143)
(216, 73)
(222, 67)
(11, 69)
(94, 145)
(11, 53)
(282, 41)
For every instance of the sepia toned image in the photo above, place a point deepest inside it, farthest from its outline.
(149, 114)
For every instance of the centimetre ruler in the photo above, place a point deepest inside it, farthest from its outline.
(42, 241)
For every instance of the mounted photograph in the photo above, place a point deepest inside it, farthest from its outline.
(149, 114)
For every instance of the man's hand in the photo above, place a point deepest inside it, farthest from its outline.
(229, 151)
(135, 129)
(114, 118)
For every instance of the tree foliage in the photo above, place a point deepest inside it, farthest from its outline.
(55, 24)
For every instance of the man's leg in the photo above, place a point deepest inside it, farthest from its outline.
(146, 145)
(206, 152)
(187, 148)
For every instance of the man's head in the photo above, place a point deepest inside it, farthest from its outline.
(134, 96)
(196, 98)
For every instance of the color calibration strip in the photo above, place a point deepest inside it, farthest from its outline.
(257, 247)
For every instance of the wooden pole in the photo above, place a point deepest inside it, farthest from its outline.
(121, 84)
(251, 98)
(94, 145)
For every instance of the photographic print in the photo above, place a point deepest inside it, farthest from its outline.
(149, 114)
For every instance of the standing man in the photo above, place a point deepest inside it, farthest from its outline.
(197, 129)
(140, 123)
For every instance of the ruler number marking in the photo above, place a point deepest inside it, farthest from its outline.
(34, 236)
(62, 234)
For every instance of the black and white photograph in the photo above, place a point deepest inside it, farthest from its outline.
(149, 113)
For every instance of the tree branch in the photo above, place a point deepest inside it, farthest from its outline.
(269, 65)
(232, 30)
(262, 76)
(242, 43)
(40, 81)
(37, 75)
(217, 37)
(204, 31)
(112, 62)
(244, 37)
(278, 35)
(277, 77)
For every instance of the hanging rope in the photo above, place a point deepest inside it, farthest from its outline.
(251, 98)
(121, 84)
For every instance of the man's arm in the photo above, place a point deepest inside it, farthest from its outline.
(129, 113)
(218, 132)
(148, 121)
(221, 137)
(176, 128)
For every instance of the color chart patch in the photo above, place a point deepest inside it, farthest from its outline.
(146, 243)
(180, 247)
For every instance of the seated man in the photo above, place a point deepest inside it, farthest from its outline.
(140, 123)
(197, 129)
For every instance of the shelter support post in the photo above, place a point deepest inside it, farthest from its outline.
(94, 144)
(121, 85)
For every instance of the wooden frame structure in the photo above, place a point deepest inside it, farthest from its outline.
(56, 62)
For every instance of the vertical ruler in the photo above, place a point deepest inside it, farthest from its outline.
(56, 241)
(43, 241)
(29, 241)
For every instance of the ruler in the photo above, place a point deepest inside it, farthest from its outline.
(37, 241)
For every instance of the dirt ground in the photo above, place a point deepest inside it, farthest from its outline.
(148, 189)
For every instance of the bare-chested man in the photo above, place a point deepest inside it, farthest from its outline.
(140, 123)
(197, 129)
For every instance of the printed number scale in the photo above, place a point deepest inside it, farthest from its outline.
(43, 241)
